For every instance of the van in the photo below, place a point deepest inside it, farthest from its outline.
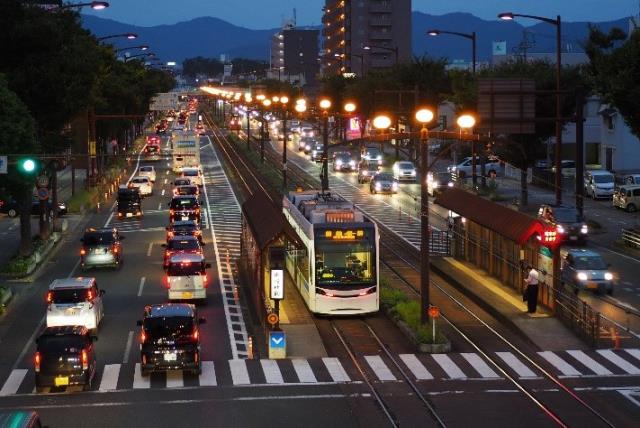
(187, 277)
(627, 198)
(599, 184)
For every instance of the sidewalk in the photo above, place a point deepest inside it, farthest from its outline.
(506, 305)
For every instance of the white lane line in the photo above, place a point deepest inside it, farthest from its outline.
(206, 218)
(479, 365)
(516, 365)
(416, 367)
(140, 382)
(634, 353)
(149, 249)
(127, 347)
(379, 367)
(602, 247)
(239, 372)
(590, 363)
(335, 369)
(447, 364)
(159, 206)
(165, 182)
(162, 193)
(110, 375)
(175, 379)
(564, 367)
(106, 223)
(208, 376)
(14, 381)
(141, 287)
(271, 371)
(303, 371)
(619, 361)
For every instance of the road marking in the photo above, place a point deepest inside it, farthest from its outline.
(416, 367)
(110, 375)
(335, 369)
(271, 371)
(175, 379)
(303, 371)
(162, 193)
(159, 206)
(127, 347)
(149, 249)
(208, 376)
(447, 364)
(619, 361)
(516, 365)
(166, 180)
(564, 367)
(206, 218)
(239, 372)
(106, 224)
(141, 287)
(379, 367)
(589, 362)
(614, 252)
(14, 381)
(634, 353)
(479, 365)
(140, 382)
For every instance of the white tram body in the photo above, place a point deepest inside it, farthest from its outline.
(337, 271)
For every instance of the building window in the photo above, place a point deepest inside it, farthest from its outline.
(610, 122)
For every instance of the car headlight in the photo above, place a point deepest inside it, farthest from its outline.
(582, 276)
(352, 163)
(394, 185)
(338, 163)
(608, 276)
(378, 186)
(584, 229)
(365, 172)
(434, 183)
(450, 184)
(560, 229)
(413, 172)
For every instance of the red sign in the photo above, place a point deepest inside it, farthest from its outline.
(549, 238)
(434, 311)
(272, 319)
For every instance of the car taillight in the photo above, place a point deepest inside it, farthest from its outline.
(36, 361)
(85, 359)
(49, 297)
(143, 336)
(170, 234)
(205, 280)
(115, 249)
(83, 251)
(195, 335)
(166, 281)
(171, 212)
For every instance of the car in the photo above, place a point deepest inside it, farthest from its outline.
(182, 181)
(344, 161)
(372, 154)
(101, 247)
(307, 132)
(567, 168)
(186, 277)
(200, 129)
(184, 228)
(569, 223)
(464, 169)
(129, 202)
(366, 171)
(599, 184)
(316, 152)
(190, 189)
(585, 269)
(438, 182)
(306, 144)
(235, 124)
(65, 356)
(180, 244)
(627, 197)
(147, 171)
(383, 182)
(183, 208)
(75, 301)
(11, 208)
(152, 153)
(170, 338)
(404, 171)
(143, 184)
(192, 173)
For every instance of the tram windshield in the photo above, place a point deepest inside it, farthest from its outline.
(345, 257)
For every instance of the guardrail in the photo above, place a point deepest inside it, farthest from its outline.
(631, 238)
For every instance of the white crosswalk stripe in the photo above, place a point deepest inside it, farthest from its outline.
(379, 368)
(619, 361)
(110, 376)
(303, 371)
(516, 365)
(208, 376)
(239, 372)
(13, 382)
(590, 363)
(479, 365)
(335, 369)
(416, 367)
(565, 368)
(140, 382)
(450, 368)
(634, 353)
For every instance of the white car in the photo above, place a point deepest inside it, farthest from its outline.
(464, 168)
(75, 301)
(192, 173)
(147, 171)
(404, 170)
(143, 184)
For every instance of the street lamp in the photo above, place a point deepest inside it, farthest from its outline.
(349, 107)
(424, 116)
(129, 36)
(95, 5)
(141, 47)
(386, 48)
(325, 105)
(510, 16)
(471, 36)
(148, 54)
(381, 122)
(466, 122)
(266, 102)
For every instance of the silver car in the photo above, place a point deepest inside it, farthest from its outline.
(101, 247)
(585, 269)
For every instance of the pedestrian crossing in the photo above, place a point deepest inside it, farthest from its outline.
(466, 366)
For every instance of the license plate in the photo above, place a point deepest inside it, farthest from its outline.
(61, 381)
(592, 285)
(187, 295)
(129, 214)
(170, 357)
(573, 238)
(70, 312)
(185, 218)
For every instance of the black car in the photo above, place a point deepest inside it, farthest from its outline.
(439, 182)
(383, 182)
(129, 202)
(11, 208)
(183, 208)
(344, 161)
(570, 225)
(64, 357)
(184, 228)
(170, 338)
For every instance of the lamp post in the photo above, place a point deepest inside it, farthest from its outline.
(325, 105)
(284, 100)
(471, 36)
(129, 36)
(424, 116)
(248, 99)
(95, 5)
(141, 47)
(265, 104)
(148, 54)
(509, 16)
(385, 48)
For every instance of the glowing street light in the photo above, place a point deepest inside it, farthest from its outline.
(381, 122)
(350, 107)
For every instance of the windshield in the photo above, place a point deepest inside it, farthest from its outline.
(372, 152)
(342, 263)
(589, 263)
(187, 190)
(567, 216)
(186, 244)
(140, 180)
(343, 158)
(157, 327)
(603, 178)
(182, 182)
(383, 177)
(442, 177)
(185, 269)
(146, 169)
(405, 165)
(190, 173)
(184, 227)
(152, 148)
(70, 295)
(183, 203)
(70, 343)
(98, 238)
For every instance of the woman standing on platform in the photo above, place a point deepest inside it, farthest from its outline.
(531, 292)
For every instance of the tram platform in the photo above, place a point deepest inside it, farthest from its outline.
(504, 303)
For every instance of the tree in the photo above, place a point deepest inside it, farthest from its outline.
(614, 70)
(17, 135)
(192, 67)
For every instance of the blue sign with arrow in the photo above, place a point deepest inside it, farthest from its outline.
(277, 339)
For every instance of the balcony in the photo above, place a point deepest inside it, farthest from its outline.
(380, 7)
(380, 35)
(380, 21)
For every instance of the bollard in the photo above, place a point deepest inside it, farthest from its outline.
(98, 207)
(616, 338)
(250, 348)
(236, 294)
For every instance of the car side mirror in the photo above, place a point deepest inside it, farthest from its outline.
(202, 320)
(207, 266)
(139, 323)
(103, 292)
(94, 338)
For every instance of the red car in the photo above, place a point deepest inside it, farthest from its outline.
(180, 244)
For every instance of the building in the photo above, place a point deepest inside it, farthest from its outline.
(363, 35)
(294, 55)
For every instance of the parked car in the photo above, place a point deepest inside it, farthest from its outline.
(147, 171)
(404, 171)
(10, 207)
(438, 182)
(75, 301)
(585, 269)
(464, 169)
(567, 168)
(383, 182)
(143, 184)
(366, 171)
(628, 178)
(599, 184)
(569, 224)
(344, 161)
(101, 247)
(627, 197)
(65, 356)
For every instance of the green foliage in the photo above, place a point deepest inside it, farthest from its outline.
(83, 198)
(191, 67)
(390, 297)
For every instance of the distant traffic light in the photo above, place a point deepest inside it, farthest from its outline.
(28, 165)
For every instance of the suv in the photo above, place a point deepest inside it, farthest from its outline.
(344, 161)
(183, 208)
(101, 247)
(570, 225)
(599, 184)
(184, 228)
(143, 184)
(366, 170)
(180, 244)
(627, 197)
(586, 270)
(75, 301)
(383, 182)
(64, 356)
(170, 338)
(404, 170)
(129, 202)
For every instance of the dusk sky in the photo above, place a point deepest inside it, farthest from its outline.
(262, 14)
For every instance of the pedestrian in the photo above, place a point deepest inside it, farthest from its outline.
(531, 292)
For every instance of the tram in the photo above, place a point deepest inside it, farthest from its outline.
(337, 271)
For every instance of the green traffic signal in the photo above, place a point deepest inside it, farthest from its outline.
(28, 165)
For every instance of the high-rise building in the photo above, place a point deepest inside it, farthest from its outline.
(294, 55)
(364, 35)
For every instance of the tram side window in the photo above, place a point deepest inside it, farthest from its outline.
(303, 264)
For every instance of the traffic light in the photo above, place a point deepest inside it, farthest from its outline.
(28, 165)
